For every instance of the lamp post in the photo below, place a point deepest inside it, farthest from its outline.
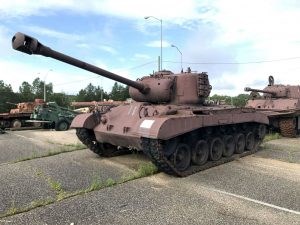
(160, 20)
(45, 84)
(174, 46)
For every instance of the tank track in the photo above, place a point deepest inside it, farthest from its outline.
(287, 127)
(155, 149)
(87, 137)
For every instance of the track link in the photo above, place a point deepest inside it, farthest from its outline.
(87, 137)
(287, 127)
(155, 149)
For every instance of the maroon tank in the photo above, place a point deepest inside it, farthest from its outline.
(169, 119)
(281, 103)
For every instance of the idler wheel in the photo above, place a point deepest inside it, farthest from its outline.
(240, 143)
(182, 157)
(229, 145)
(250, 141)
(200, 153)
(216, 149)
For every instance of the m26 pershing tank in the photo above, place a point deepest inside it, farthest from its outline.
(281, 103)
(169, 119)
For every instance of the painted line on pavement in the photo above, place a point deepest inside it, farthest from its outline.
(257, 201)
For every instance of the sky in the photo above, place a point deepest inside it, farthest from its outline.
(238, 43)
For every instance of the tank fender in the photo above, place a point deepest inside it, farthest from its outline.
(168, 127)
(86, 120)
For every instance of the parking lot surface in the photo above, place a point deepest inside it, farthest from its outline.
(263, 188)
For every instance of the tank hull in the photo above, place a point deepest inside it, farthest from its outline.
(125, 126)
(179, 140)
(283, 113)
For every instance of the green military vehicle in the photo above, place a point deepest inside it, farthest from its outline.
(53, 116)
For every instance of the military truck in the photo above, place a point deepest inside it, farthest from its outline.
(52, 116)
(17, 117)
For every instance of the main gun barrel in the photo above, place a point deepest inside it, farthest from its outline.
(30, 45)
(259, 90)
(11, 103)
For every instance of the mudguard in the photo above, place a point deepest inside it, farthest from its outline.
(87, 120)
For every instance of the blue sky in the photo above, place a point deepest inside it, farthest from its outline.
(231, 40)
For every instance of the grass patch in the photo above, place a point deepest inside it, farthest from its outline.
(12, 210)
(34, 204)
(146, 169)
(272, 136)
(95, 185)
(41, 202)
(55, 185)
(143, 170)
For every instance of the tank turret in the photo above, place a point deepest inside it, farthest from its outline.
(161, 87)
(277, 90)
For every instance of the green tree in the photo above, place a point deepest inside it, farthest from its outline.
(91, 93)
(119, 92)
(101, 94)
(7, 95)
(219, 98)
(38, 88)
(60, 98)
(240, 100)
(25, 91)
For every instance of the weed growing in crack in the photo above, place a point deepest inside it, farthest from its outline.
(270, 137)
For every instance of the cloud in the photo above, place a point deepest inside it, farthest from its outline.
(214, 31)
(53, 33)
(141, 56)
(181, 11)
(157, 44)
(107, 49)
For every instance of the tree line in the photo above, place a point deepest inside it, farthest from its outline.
(28, 92)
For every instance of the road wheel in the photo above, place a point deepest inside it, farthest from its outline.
(200, 152)
(216, 149)
(229, 145)
(250, 141)
(16, 123)
(182, 157)
(62, 125)
(240, 143)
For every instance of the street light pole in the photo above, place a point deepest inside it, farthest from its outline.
(45, 84)
(160, 20)
(174, 46)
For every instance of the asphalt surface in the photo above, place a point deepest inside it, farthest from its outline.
(18, 145)
(260, 189)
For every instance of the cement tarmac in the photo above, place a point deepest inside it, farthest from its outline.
(258, 189)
